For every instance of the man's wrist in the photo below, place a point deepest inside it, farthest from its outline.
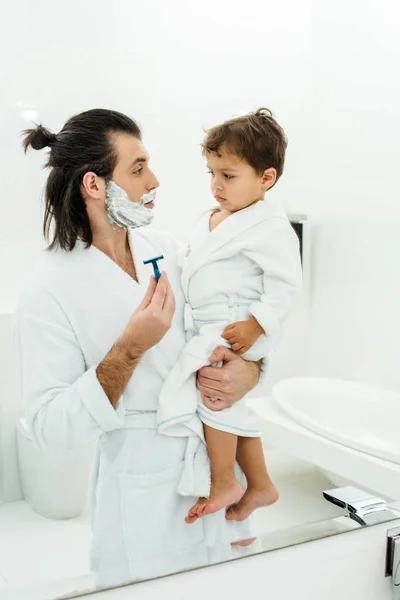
(128, 350)
(260, 377)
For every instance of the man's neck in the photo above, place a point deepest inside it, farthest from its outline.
(113, 243)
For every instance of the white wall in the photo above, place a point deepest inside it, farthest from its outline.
(355, 250)
(11, 410)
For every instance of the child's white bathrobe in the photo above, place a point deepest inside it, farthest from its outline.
(73, 308)
(248, 265)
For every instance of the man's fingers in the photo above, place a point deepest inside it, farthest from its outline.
(149, 293)
(222, 353)
(169, 304)
(215, 404)
(215, 356)
(211, 389)
(161, 292)
(209, 373)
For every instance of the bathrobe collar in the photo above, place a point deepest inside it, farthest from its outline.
(230, 228)
(141, 250)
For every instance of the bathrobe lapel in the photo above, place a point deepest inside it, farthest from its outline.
(232, 227)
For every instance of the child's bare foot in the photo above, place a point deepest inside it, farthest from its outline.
(244, 543)
(222, 494)
(252, 499)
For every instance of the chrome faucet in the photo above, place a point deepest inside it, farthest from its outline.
(361, 506)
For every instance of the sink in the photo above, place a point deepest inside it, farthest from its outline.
(358, 415)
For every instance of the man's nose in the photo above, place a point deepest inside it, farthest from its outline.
(153, 182)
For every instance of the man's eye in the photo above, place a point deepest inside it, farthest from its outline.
(211, 173)
(138, 171)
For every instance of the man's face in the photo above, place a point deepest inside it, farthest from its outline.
(132, 172)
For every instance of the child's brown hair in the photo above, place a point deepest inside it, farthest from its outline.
(256, 138)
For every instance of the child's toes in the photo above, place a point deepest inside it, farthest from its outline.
(201, 509)
(190, 519)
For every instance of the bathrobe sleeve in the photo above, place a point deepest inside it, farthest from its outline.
(66, 407)
(275, 249)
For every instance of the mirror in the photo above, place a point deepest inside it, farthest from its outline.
(327, 409)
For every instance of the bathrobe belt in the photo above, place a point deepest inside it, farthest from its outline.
(214, 312)
(195, 478)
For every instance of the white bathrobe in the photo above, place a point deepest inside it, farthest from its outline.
(73, 308)
(248, 265)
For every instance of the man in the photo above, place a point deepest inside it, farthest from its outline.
(96, 343)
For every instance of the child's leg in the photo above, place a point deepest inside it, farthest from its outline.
(225, 488)
(260, 488)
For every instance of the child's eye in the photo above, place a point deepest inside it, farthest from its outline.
(228, 176)
(211, 173)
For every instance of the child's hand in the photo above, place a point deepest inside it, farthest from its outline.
(243, 334)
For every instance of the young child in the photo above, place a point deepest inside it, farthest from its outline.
(240, 274)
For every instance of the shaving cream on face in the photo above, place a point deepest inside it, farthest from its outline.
(124, 212)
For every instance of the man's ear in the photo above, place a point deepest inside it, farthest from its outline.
(93, 186)
(268, 178)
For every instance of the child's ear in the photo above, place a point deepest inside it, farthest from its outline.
(268, 178)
